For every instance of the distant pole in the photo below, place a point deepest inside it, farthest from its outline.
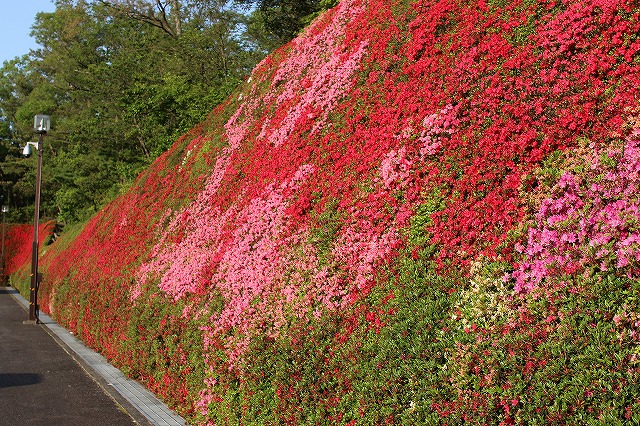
(41, 126)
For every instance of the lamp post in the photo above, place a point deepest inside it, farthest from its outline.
(41, 125)
(5, 209)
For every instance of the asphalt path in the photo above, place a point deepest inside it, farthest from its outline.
(41, 383)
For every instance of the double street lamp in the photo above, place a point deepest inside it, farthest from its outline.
(41, 125)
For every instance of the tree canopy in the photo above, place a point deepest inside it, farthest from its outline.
(278, 21)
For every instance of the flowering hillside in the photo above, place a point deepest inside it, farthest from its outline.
(19, 247)
(417, 212)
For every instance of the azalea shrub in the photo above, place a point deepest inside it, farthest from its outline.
(18, 248)
(416, 212)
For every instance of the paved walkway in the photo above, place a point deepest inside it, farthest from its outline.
(48, 377)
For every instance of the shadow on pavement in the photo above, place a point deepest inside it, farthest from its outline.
(9, 380)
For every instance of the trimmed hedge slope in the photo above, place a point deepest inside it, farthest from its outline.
(417, 212)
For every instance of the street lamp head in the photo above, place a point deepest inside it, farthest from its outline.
(41, 124)
(27, 150)
(5, 209)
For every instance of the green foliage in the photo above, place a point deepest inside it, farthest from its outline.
(167, 348)
(433, 202)
(322, 237)
(589, 356)
(403, 361)
(275, 22)
(549, 172)
(322, 6)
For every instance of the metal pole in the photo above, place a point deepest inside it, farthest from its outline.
(4, 211)
(33, 293)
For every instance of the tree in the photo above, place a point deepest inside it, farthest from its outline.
(20, 95)
(165, 15)
(275, 22)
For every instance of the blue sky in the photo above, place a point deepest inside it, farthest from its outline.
(16, 19)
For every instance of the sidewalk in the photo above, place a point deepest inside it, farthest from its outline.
(48, 377)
